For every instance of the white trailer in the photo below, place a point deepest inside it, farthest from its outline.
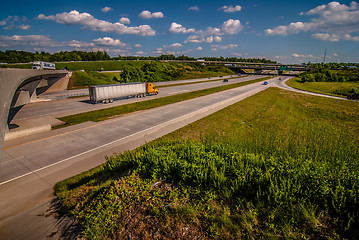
(107, 93)
(43, 65)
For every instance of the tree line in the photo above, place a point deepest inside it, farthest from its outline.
(14, 56)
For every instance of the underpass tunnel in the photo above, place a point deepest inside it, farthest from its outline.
(28, 92)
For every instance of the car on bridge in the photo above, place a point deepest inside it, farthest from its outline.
(225, 80)
(265, 83)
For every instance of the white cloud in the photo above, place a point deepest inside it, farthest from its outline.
(201, 38)
(326, 37)
(302, 55)
(217, 39)
(199, 48)
(125, 20)
(148, 15)
(232, 27)
(194, 8)
(80, 44)
(106, 9)
(178, 28)
(332, 22)
(107, 41)
(231, 9)
(87, 21)
(224, 47)
(140, 52)
(24, 27)
(175, 45)
(12, 23)
(209, 35)
(348, 37)
(138, 45)
(237, 54)
(27, 40)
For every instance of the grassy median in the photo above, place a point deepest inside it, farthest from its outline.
(339, 89)
(107, 113)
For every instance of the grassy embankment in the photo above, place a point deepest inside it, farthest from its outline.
(340, 89)
(275, 165)
(104, 114)
(205, 81)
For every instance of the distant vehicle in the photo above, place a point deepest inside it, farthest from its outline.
(280, 78)
(353, 96)
(107, 93)
(265, 83)
(43, 65)
(225, 80)
(220, 76)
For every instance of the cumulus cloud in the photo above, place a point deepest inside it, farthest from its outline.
(125, 20)
(41, 41)
(231, 9)
(201, 38)
(302, 55)
(332, 22)
(199, 48)
(175, 45)
(224, 47)
(106, 9)
(138, 45)
(211, 34)
(194, 8)
(326, 37)
(232, 27)
(107, 41)
(11, 22)
(178, 28)
(27, 40)
(148, 15)
(24, 27)
(87, 21)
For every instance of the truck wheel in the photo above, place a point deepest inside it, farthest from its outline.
(111, 100)
(156, 93)
(107, 101)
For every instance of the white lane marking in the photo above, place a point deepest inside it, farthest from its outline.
(107, 144)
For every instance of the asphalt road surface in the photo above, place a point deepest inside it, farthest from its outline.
(30, 166)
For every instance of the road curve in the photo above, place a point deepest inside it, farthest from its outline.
(282, 84)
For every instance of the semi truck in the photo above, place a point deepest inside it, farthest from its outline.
(107, 93)
(43, 65)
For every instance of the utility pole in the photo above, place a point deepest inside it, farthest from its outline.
(325, 54)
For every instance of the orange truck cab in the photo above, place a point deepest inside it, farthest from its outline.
(151, 89)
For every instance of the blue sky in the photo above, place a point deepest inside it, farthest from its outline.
(285, 31)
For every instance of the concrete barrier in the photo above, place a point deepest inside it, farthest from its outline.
(11, 80)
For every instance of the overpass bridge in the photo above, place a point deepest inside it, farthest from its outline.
(21, 86)
(255, 66)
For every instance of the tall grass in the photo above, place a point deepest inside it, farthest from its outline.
(276, 165)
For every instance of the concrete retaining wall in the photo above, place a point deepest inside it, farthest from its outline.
(10, 80)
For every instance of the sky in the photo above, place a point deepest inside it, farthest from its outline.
(284, 31)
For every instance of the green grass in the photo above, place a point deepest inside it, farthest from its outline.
(104, 114)
(196, 75)
(275, 165)
(340, 89)
(189, 83)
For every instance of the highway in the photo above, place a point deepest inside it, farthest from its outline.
(77, 105)
(30, 166)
